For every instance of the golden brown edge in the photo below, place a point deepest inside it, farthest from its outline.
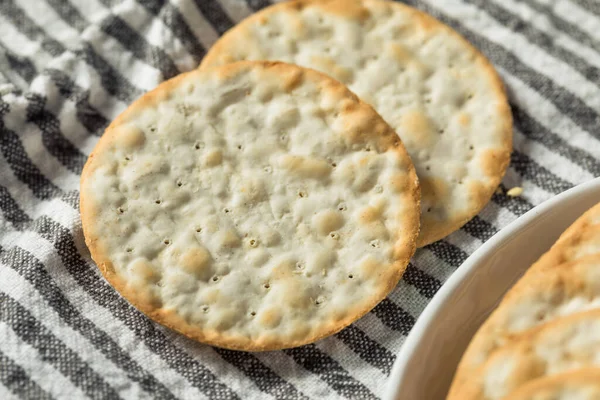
(583, 376)
(484, 193)
(404, 250)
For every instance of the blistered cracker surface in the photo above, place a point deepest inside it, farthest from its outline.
(562, 345)
(581, 384)
(255, 206)
(439, 93)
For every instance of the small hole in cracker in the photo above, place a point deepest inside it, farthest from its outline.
(350, 276)
(179, 183)
(120, 210)
(127, 158)
(342, 207)
(226, 210)
(471, 147)
(428, 209)
(129, 249)
(205, 309)
(428, 168)
(334, 235)
(302, 193)
(157, 201)
(239, 147)
(333, 165)
(268, 169)
(470, 96)
(253, 242)
(441, 131)
(375, 243)
(267, 286)
(215, 278)
(198, 229)
(253, 313)
(152, 129)
(167, 242)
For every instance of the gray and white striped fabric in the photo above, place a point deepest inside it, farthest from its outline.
(67, 67)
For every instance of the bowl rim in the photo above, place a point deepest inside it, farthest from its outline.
(454, 282)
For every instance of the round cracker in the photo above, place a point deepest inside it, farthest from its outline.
(561, 345)
(582, 384)
(442, 96)
(255, 206)
(540, 296)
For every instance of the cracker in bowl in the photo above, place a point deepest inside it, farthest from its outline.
(441, 95)
(254, 206)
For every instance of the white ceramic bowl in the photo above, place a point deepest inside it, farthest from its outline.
(426, 364)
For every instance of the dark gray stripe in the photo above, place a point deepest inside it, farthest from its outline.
(393, 316)
(533, 130)
(69, 14)
(112, 80)
(19, 162)
(52, 138)
(52, 350)
(539, 38)
(583, 115)
(21, 65)
(480, 228)
(15, 379)
(329, 371)
(86, 114)
(563, 25)
(539, 175)
(138, 46)
(11, 210)
(258, 4)
(426, 284)
(24, 24)
(367, 349)
(214, 14)
(173, 19)
(35, 273)
(516, 205)
(264, 378)
(589, 5)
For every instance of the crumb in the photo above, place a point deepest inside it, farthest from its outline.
(515, 192)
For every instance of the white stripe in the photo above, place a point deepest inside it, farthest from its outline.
(102, 318)
(17, 287)
(542, 23)
(155, 32)
(236, 9)
(573, 13)
(202, 29)
(409, 299)
(39, 371)
(6, 394)
(547, 115)
(559, 165)
(306, 382)
(386, 337)
(562, 74)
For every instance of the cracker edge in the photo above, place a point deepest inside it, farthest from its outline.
(403, 250)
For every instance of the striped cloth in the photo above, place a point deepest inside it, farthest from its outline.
(67, 67)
